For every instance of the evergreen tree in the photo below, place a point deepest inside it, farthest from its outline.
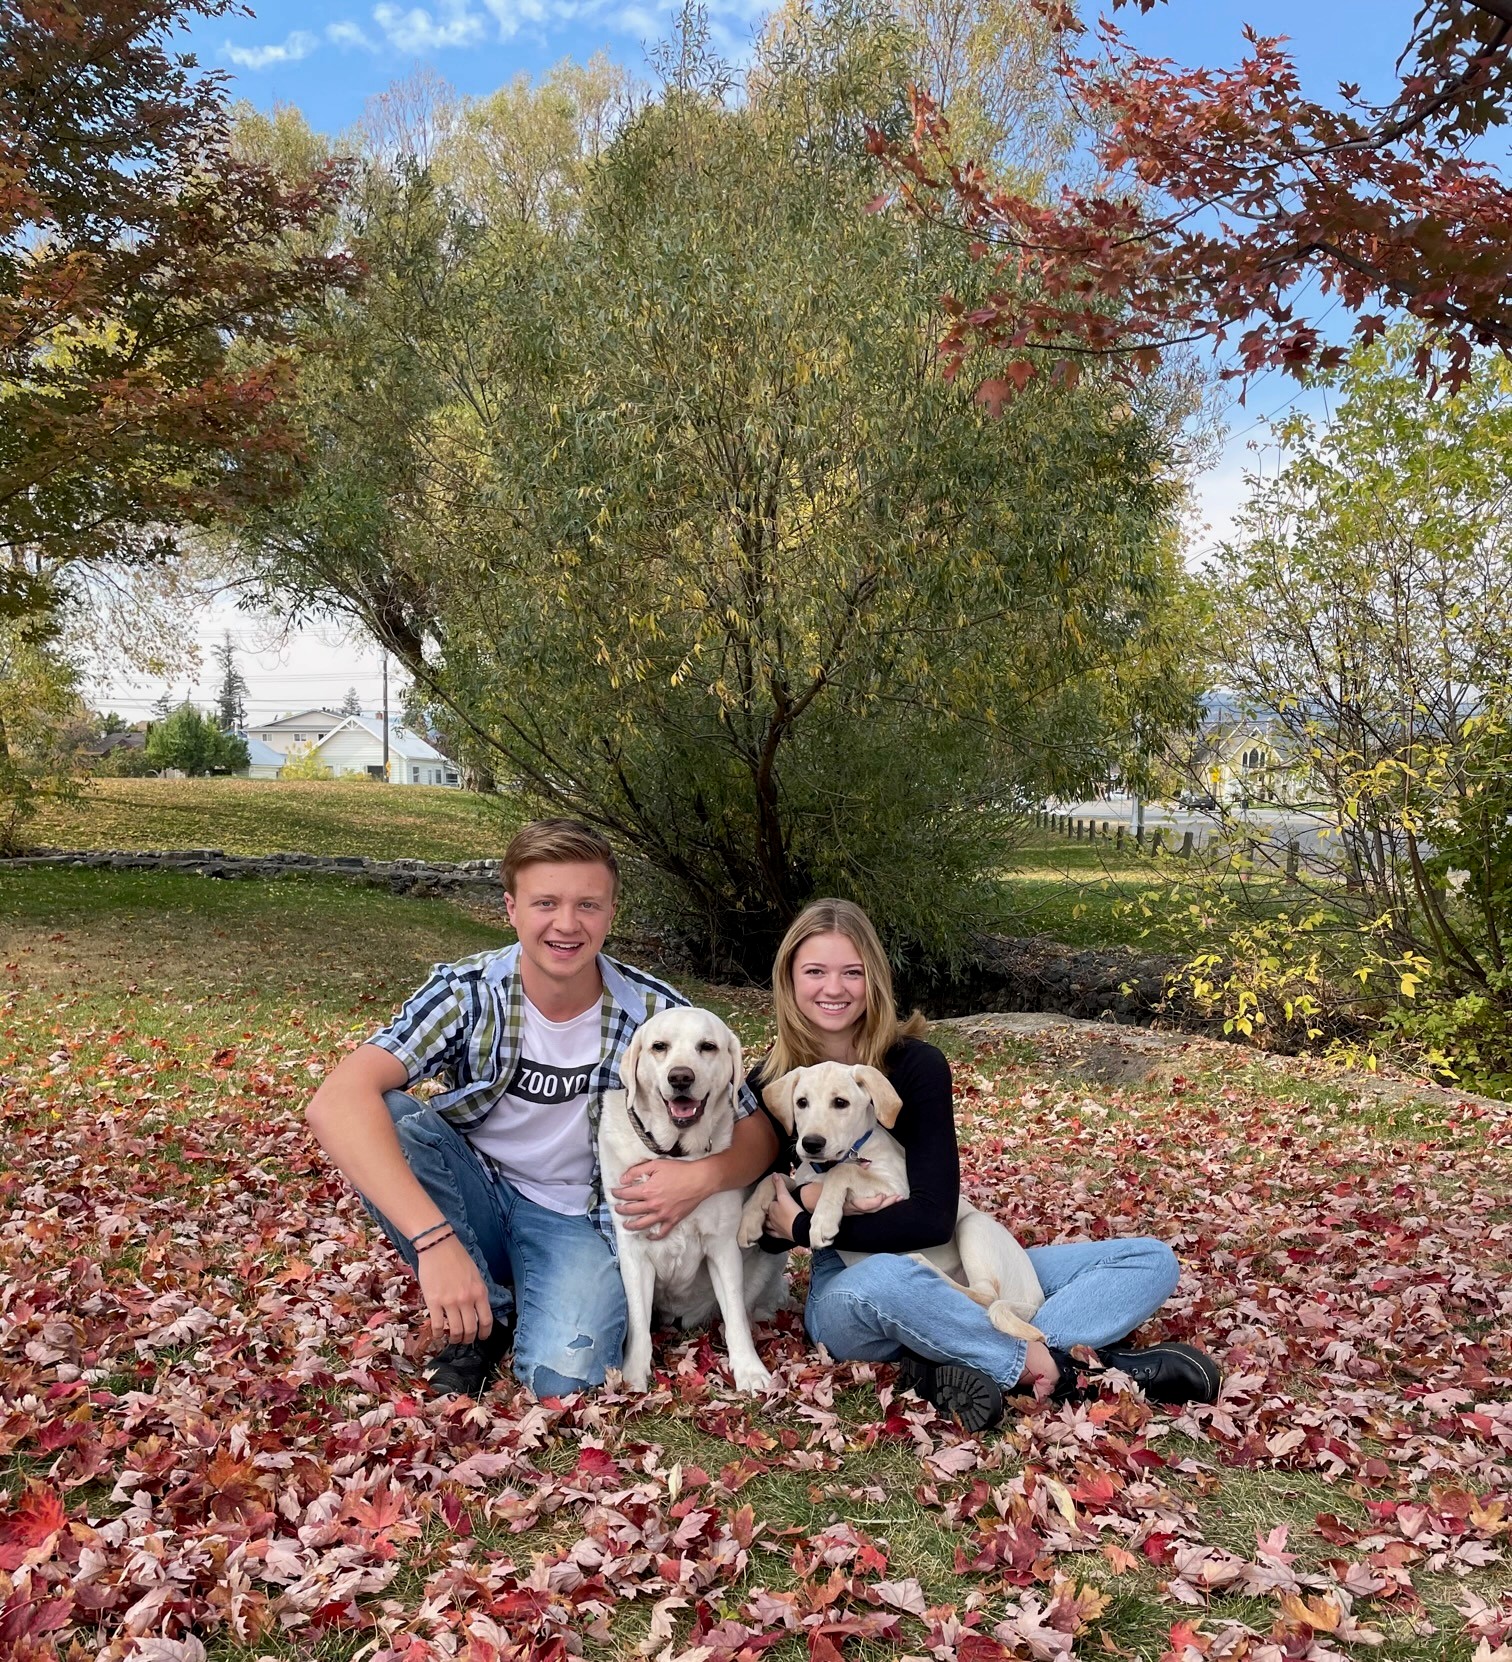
(231, 699)
(351, 705)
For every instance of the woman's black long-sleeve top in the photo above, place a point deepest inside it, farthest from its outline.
(926, 1129)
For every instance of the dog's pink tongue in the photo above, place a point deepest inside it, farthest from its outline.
(683, 1108)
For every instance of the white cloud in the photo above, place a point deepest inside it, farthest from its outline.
(416, 30)
(510, 15)
(350, 34)
(636, 20)
(299, 45)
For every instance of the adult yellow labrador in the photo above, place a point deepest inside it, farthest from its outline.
(682, 1073)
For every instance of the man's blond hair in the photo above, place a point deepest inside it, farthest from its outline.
(551, 841)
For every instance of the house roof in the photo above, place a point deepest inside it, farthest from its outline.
(402, 742)
(108, 742)
(262, 755)
(300, 716)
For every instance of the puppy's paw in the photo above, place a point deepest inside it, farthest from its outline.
(824, 1225)
(753, 1214)
(753, 1379)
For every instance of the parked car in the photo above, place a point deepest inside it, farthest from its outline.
(1204, 801)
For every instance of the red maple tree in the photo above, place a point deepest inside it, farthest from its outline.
(1220, 191)
(148, 280)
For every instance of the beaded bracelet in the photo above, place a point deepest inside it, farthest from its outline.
(450, 1235)
(434, 1229)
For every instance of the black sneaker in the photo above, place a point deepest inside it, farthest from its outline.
(973, 1399)
(466, 1369)
(1168, 1372)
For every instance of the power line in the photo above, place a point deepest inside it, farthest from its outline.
(292, 675)
(256, 706)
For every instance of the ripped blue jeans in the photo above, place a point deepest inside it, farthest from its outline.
(553, 1275)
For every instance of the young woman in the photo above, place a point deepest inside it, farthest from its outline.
(834, 1000)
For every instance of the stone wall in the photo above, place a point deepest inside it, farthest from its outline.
(414, 877)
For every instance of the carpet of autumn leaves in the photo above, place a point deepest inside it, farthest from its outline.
(214, 1439)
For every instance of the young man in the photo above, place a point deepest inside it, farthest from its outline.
(491, 1190)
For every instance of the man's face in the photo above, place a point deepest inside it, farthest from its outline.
(562, 911)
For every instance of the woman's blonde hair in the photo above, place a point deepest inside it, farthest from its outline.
(798, 1043)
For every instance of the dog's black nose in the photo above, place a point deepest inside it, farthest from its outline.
(679, 1079)
(813, 1145)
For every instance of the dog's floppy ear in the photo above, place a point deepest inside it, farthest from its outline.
(737, 1061)
(778, 1096)
(878, 1087)
(631, 1059)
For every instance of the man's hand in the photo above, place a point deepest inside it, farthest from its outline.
(656, 1194)
(455, 1297)
(781, 1212)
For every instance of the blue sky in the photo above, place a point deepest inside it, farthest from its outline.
(329, 57)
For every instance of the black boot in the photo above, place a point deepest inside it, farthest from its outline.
(1168, 1372)
(468, 1369)
(973, 1399)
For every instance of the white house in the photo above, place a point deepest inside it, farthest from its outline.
(355, 745)
(308, 727)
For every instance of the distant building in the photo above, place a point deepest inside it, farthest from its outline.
(109, 743)
(348, 745)
(1242, 755)
(288, 733)
(263, 761)
(355, 745)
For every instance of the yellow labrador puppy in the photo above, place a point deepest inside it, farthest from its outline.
(682, 1073)
(840, 1117)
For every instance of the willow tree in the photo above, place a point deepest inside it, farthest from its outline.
(665, 503)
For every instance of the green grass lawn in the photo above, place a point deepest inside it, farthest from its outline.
(270, 816)
(1077, 892)
(212, 1425)
(1089, 893)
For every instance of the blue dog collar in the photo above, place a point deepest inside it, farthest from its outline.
(852, 1153)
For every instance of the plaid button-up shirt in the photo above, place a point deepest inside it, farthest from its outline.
(464, 1026)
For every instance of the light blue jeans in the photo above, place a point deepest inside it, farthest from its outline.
(1096, 1292)
(555, 1275)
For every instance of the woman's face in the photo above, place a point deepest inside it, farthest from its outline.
(829, 982)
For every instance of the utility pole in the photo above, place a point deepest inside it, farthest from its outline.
(385, 718)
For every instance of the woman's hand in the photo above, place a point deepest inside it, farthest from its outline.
(785, 1207)
(854, 1204)
(656, 1194)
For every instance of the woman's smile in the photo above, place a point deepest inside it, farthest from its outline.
(829, 983)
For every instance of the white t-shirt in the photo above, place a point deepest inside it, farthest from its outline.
(538, 1130)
